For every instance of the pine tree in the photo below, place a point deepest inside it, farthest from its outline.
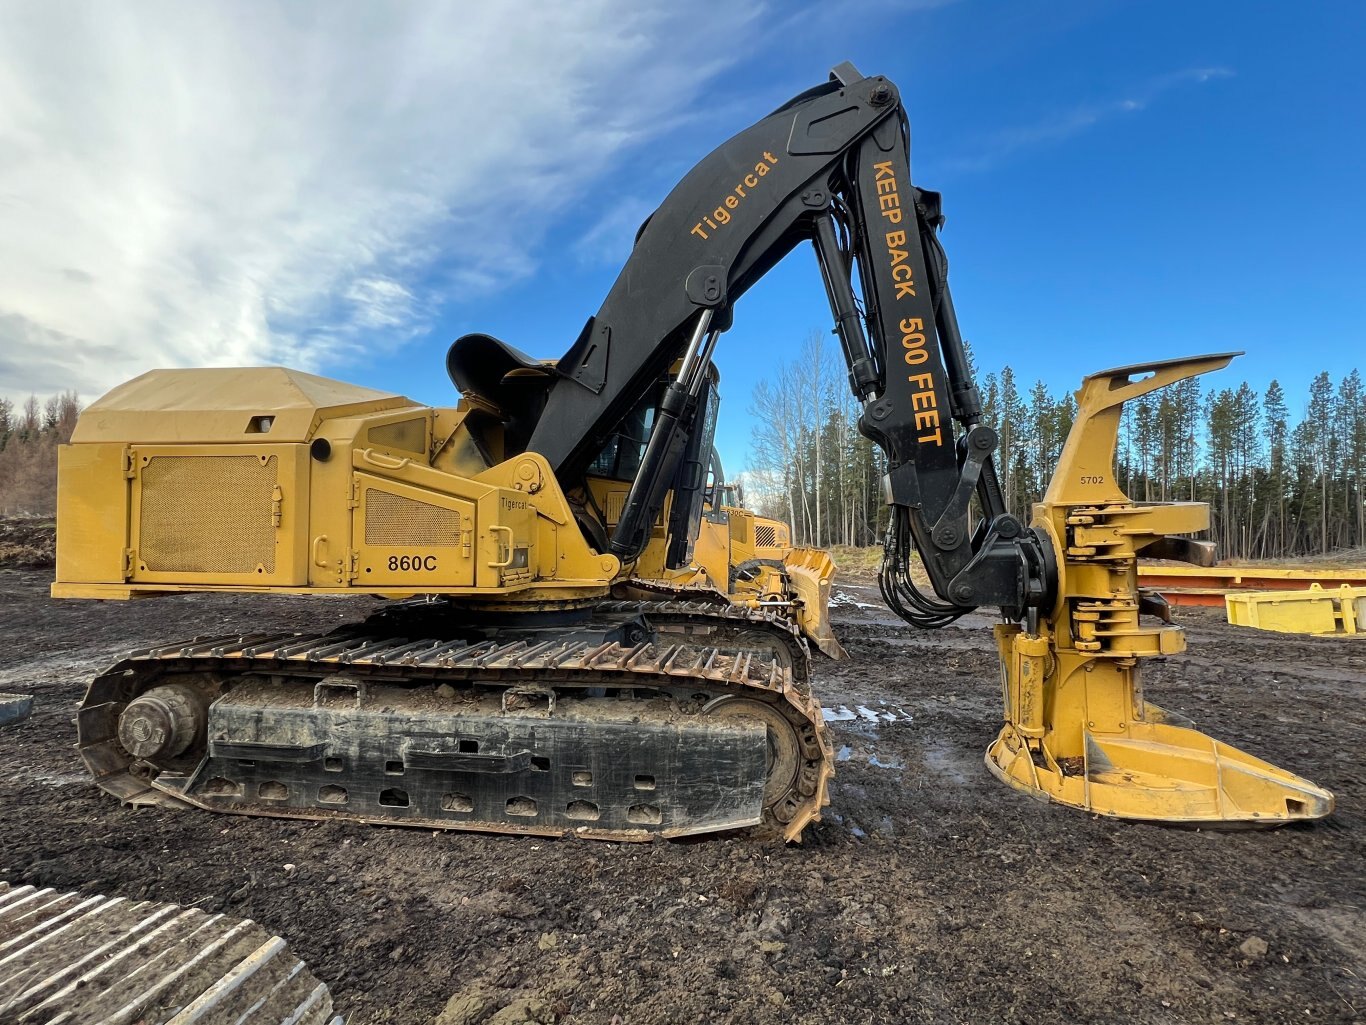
(1351, 432)
(1012, 419)
(1188, 400)
(1144, 442)
(1322, 442)
(1275, 417)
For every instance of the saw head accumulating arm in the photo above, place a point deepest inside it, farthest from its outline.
(1078, 730)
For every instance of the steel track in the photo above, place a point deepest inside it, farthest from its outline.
(697, 656)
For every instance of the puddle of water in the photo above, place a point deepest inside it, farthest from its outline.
(843, 598)
(889, 713)
(890, 763)
(844, 754)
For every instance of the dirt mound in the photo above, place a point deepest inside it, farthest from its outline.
(28, 542)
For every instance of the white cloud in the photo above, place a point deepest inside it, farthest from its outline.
(609, 241)
(187, 184)
(1065, 124)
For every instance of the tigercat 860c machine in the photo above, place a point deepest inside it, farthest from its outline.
(536, 678)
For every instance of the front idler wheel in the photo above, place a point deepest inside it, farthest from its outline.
(783, 758)
(163, 723)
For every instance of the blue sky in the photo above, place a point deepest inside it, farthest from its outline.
(1123, 181)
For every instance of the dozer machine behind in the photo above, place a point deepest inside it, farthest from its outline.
(538, 672)
(751, 559)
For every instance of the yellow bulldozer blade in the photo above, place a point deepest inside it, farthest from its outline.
(1078, 730)
(812, 571)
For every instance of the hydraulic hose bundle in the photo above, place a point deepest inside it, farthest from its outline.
(899, 589)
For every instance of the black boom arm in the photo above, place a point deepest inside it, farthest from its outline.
(831, 168)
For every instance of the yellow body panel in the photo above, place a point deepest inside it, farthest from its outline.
(94, 514)
(712, 549)
(210, 405)
(264, 479)
(206, 512)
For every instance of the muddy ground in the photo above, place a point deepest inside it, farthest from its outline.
(930, 893)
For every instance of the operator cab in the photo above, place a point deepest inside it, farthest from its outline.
(615, 467)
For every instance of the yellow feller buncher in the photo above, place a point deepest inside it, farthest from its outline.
(572, 650)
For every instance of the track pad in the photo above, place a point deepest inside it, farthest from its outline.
(596, 766)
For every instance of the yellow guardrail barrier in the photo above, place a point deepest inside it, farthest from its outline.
(1339, 610)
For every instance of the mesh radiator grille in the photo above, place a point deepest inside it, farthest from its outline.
(395, 520)
(207, 514)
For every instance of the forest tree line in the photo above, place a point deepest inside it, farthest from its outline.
(29, 436)
(1277, 485)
